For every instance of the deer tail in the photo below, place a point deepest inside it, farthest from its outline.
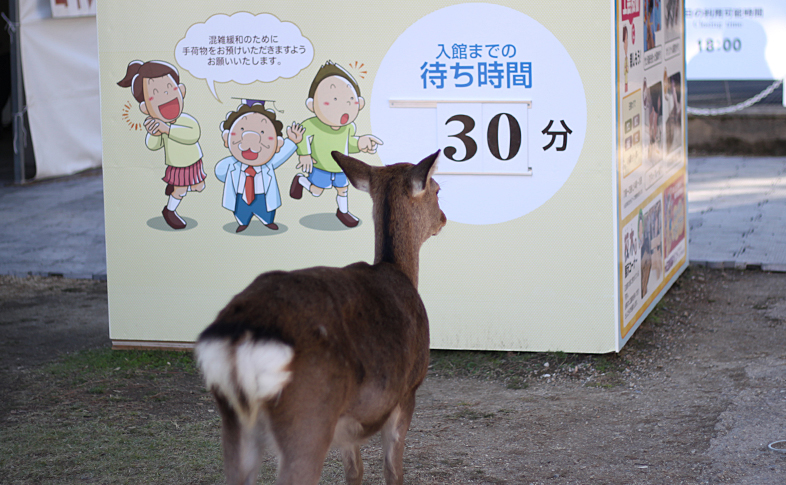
(246, 373)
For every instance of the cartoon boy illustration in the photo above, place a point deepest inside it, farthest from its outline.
(254, 138)
(156, 86)
(335, 100)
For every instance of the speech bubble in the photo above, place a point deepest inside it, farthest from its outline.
(630, 9)
(243, 48)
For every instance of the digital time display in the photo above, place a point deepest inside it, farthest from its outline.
(720, 45)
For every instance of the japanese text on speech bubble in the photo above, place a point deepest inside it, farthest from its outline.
(243, 48)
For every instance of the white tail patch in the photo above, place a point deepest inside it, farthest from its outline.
(261, 368)
(215, 360)
(257, 369)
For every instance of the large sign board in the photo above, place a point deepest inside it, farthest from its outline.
(204, 189)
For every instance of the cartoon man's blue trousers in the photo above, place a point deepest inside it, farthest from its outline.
(244, 212)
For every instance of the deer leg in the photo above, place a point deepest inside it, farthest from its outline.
(393, 434)
(241, 446)
(353, 464)
(303, 433)
(301, 458)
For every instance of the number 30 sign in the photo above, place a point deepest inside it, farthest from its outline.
(483, 138)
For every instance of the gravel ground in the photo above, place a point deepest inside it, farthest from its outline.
(695, 397)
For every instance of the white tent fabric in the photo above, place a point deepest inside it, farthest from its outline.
(60, 69)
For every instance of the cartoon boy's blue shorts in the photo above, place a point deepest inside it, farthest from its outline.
(325, 180)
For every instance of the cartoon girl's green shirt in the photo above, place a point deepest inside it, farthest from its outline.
(181, 145)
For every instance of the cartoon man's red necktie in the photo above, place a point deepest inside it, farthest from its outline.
(250, 196)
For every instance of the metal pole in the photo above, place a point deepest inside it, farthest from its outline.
(17, 96)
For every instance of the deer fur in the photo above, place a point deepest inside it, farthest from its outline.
(304, 360)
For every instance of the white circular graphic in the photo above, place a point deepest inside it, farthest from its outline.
(497, 87)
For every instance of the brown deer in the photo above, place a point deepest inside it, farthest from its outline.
(308, 359)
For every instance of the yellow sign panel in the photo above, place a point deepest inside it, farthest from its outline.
(218, 121)
(652, 177)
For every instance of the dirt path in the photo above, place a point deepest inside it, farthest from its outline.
(695, 397)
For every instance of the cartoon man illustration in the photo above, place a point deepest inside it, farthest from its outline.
(335, 100)
(254, 138)
(156, 86)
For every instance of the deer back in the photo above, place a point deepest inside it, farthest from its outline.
(362, 319)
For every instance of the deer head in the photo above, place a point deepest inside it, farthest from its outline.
(406, 207)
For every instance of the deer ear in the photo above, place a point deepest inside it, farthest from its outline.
(358, 172)
(422, 173)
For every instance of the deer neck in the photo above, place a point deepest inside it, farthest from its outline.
(396, 242)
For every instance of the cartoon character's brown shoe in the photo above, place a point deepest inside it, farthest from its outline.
(241, 228)
(296, 190)
(174, 220)
(347, 219)
(169, 189)
(272, 226)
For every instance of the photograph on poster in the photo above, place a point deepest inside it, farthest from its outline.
(643, 268)
(674, 231)
(652, 23)
(672, 20)
(632, 267)
(651, 239)
(652, 105)
(672, 101)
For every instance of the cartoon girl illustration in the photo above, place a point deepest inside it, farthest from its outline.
(156, 86)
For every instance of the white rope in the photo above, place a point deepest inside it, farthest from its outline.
(10, 26)
(20, 133)
(736, 107)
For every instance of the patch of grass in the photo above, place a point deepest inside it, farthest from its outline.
(78, 449)
(602, 385)
(603, 364)
(516, 369)
(452, 462)
(487, 365)
(656, 315)
(466, 413)
(122, 360)
(94, 417)
(559, 356)
(516, 382)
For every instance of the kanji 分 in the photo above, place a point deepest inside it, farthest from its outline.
(564, 134)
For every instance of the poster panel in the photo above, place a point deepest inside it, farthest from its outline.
(192, 99)
(652, 160)
(735, 40)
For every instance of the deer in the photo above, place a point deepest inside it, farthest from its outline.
(310, 359)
